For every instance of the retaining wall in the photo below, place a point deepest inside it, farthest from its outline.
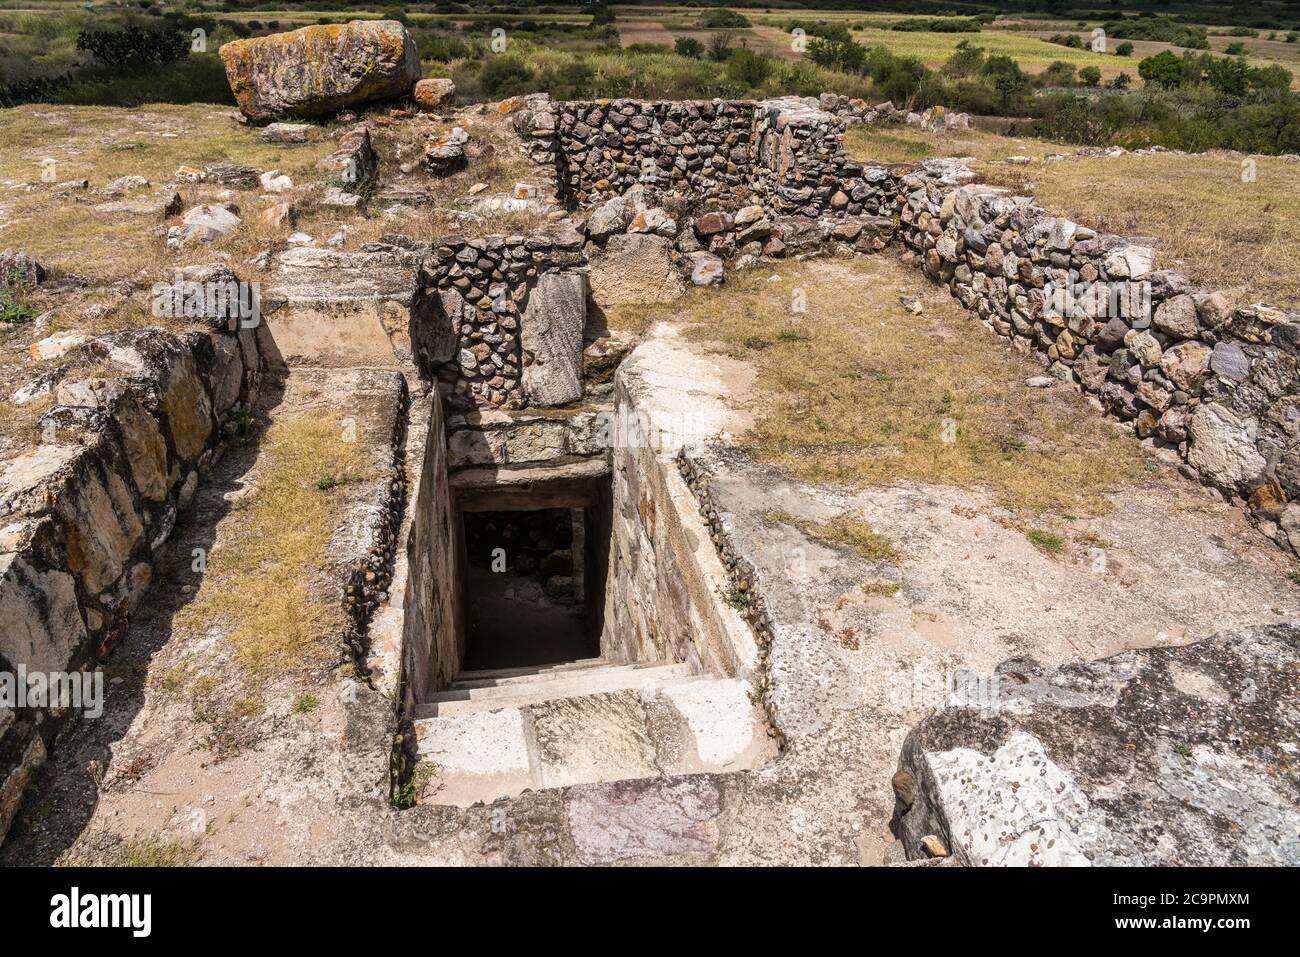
(84, 513)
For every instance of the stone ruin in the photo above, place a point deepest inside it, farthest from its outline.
(643, 744)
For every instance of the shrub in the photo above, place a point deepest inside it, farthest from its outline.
(688, 47)
(133, 46)
(1235, 49)
(748, 69)
(966, 60)
(722, 18)
(1058, 73)
(505, 76)
(719, 48)
(1124, 49)
(1164, 69)
(1066, 40)
(1090, 75)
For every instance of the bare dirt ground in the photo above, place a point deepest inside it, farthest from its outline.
(874, 628)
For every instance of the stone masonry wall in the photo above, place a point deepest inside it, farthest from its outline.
(82, 514)
(785, 153)
(468, 311)
(1216, 386)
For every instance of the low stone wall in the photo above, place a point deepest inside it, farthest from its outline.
(1215, 386)
(701, 148)
(84, 512)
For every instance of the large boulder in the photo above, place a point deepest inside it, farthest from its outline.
(320, 69)
(1158, 757)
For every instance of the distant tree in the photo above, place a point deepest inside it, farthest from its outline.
(1121, 82)
(719, 47)
(966, 60)
(1090, 75)
(1058, 73)
(1164, 69)
(1124, 49)
(602, 14)
(688, 47)
(1272, 77)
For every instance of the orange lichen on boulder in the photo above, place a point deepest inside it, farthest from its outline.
(320, 69)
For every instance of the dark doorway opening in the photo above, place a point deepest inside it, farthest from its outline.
(534, 582)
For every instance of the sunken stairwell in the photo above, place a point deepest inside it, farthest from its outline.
(564, 613)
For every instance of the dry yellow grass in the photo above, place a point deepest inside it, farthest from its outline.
(858, 391)
(1209, 220)
(850, 530)
(1223, 232)
(264, 582)
(101, 144)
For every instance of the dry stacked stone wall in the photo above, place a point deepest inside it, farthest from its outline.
(1201, 380)
(1213, 384)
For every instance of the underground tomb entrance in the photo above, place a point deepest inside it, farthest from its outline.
(535, 563)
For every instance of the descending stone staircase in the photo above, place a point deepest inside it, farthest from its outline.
(493, 734)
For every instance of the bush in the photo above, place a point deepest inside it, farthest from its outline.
(722, 18)
(132, 46)
(505, 76)
(966, 60)
(1159, 28)
(1058, 73)
(719, 48)
(748, 69)
(688, 47)
(1235, 49)
(939, 25)
(1090, 75)
(1066, 40)
(1124, 49)
(1164, 69)
(574, 80)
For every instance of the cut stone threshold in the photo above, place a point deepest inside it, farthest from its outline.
(496, 734)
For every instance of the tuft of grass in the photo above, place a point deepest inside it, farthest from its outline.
(854, 532)
(868, 396)
(263, 582)
(739, 598)
(305, 702)
(1049, 542)
(154, 852)
(882, 589)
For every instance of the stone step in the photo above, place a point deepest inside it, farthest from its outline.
(585, 681)
(475, 684)
(495, 673)
(667, 727)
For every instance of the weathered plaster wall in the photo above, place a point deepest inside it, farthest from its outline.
(667, 592)
(432, 640)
